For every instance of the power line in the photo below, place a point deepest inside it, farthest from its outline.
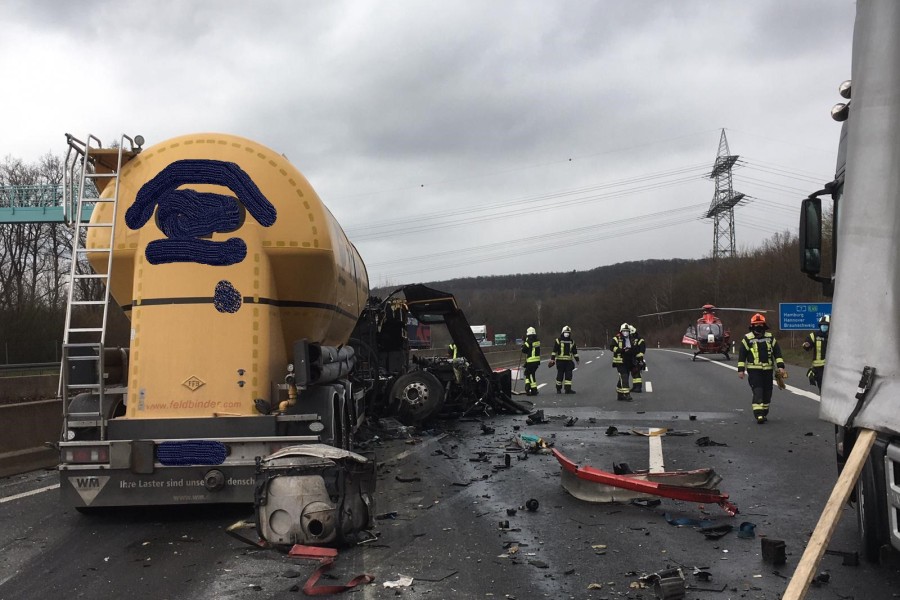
(394, 225)
(527, 167)
(555, 244)
(394, 230)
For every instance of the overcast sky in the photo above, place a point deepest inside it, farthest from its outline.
(462, 138)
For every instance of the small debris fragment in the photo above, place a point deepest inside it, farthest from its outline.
(536, 418)
(401, 582)
(705, 441)
(714, 532)
(646, 502)
(622, 469)
(403, 479)
(747, 530)
(773, 551)
(531, 504)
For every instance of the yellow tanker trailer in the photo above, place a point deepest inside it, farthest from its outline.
(224, 259)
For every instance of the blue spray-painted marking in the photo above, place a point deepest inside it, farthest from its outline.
(185, 216)
(226, 299)
(199, 452)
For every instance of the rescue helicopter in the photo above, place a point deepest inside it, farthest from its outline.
(708, 335)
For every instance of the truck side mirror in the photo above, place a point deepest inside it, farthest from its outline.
(811, 237)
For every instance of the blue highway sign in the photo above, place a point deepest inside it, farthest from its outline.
(803, 315)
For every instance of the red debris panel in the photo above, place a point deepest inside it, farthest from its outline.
(630, 482)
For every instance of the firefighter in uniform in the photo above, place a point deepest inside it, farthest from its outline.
(564, 356)
(531, 348)
(628, 359)
(818, 341)
(452, 351)
(759, 354)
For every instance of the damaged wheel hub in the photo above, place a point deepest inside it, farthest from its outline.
(415, 394)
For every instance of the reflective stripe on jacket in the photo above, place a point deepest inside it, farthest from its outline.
(532, 350)
(759, 352)
(617, 345)
(564, 350)
(820, 343)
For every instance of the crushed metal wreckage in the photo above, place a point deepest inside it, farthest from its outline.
(595, 485)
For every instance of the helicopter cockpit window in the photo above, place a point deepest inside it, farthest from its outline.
(707, 329)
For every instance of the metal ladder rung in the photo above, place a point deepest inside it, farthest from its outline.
(93, 358)
(90, 276)
(86, 415)
(98, 200)
(88, 302)
(84, 345)
(84, 386)
(89, 225)
(85, 329)
(86, 423)
(100, 175)
(86, 250)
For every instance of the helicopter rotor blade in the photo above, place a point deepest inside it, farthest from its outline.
(701, 309)
(669, 312)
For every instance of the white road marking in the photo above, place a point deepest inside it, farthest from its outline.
(789, 388)
(648, 386)
(417, 448)
(540, 385)
(31, 493)
(588, 362)
(656, 456)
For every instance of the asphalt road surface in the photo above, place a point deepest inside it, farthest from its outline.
(447, 490)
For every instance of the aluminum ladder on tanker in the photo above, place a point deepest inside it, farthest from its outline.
(83, 367)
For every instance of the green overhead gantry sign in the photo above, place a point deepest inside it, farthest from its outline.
(38, 204)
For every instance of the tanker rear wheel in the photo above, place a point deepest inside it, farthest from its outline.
(419, 395)
(870, 516)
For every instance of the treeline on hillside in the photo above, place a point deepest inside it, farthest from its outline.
(594, 303)
(34, 275)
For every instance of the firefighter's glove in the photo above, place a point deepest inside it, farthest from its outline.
(642, 366)
(551, 363)
(578, 360)
(780, 376)
(811, 375)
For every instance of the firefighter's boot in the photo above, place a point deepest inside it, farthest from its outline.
(638, 387)
(559, 389)
(569, 389)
